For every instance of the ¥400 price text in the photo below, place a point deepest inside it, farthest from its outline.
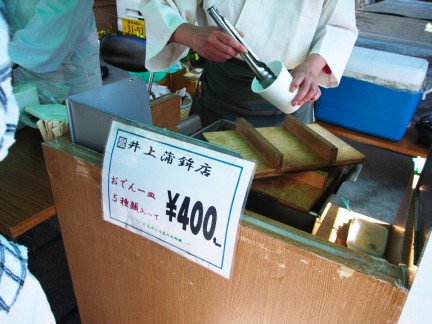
(196, 220)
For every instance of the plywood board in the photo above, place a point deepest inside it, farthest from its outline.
(316, 179)
(289, 190)
(296, 155)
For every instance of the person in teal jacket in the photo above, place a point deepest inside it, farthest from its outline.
(54, 44)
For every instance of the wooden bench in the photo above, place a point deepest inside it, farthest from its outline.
(25, 191)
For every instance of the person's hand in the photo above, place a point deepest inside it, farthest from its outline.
(305, 78)
(209, 42)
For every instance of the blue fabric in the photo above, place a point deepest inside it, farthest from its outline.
(13, 271)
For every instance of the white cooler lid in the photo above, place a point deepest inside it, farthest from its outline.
(387, 69)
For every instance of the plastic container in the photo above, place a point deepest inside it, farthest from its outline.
(157, 76)
(367, 237)
(25, 94)
(377, 95)
(278, 92)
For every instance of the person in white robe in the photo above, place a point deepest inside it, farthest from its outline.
(313, 38)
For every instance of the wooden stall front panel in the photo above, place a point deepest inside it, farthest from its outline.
(120, 277)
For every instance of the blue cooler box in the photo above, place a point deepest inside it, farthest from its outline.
(377, 95)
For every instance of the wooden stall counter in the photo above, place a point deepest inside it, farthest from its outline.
(408, 145)
(280, 274)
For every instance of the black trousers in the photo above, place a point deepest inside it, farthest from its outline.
(224, 92)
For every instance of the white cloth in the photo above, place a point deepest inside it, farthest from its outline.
(13, 273)
(55, 41)
(22, 299)
(275, 30)
(31, 306)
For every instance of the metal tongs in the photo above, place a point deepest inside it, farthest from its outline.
(263, 73)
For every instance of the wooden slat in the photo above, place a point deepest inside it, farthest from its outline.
(266, 150)
(317, 143)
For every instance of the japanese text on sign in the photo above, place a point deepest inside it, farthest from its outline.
(181, 195)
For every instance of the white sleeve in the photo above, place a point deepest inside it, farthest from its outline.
(335, 37)
(161, 19)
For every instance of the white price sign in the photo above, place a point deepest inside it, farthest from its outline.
(183, 196)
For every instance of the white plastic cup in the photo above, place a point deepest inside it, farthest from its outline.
(278, 92)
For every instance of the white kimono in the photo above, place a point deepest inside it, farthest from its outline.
(275, 30)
